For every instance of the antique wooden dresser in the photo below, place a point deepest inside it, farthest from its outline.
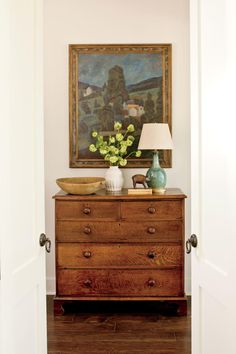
(120, 247)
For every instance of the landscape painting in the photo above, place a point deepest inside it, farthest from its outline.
(108, 83)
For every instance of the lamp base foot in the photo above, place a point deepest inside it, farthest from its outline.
(158, 190)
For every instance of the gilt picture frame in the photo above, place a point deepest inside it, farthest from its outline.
(117, 82)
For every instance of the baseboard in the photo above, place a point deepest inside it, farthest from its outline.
(50, 287)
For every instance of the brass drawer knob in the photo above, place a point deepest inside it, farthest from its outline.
(87, 254)
(151, 230)
(151, 282)
(87, 230)
(151, 210)
(151, 254)
(88, 283)
(87, 211)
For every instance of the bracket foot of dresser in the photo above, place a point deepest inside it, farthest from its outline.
(58, 307)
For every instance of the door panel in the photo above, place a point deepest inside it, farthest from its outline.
(22, 286)
(213, 172)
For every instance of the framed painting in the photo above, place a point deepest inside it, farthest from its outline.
(126, 83)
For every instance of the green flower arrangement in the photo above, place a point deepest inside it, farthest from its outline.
(115, 148)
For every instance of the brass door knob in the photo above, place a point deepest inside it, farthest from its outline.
(151, 230)
(151, 282)
(151, 254)
(88, 283)
(151, 210)
(87, 254)
(191, 242)
(87, 230)
(87, 211)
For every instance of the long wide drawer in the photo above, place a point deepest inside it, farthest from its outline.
(125, 231)
(82, 255)
(153, 210)
(76, 210)
(74, 282)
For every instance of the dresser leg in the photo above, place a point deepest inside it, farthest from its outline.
(58, 307)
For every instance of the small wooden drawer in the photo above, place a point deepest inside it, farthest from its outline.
(88, 231)
(76, 210)
(116, 282)
(153, 210)
(82, 255)
(158, 231)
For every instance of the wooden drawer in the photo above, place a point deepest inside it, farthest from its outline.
(99, 231)
(85, 255)
(74, 282)
(76, 210)
(153, 210)
(88, 231)
(158, 231)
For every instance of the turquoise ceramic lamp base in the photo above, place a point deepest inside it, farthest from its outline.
(156, 176)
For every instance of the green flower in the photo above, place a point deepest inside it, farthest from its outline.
(117, 125)
(119, 137)
(92, 148)
(103, 151)
(112, 149)
(115, 147)
(130, 128)
(112, 140)
(107, 157)
(94, 134)
(113, 159)
(123, 149)
(129, 143)
(123, 162)
(130, 137)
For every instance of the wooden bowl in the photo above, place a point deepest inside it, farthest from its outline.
(81, 185)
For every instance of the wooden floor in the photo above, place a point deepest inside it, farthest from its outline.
(112, 328)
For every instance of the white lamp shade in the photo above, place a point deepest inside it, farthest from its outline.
(155, 136)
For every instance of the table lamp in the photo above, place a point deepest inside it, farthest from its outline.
(156, 136)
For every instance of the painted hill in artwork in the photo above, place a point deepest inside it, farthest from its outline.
(84, 85)
(148, 84)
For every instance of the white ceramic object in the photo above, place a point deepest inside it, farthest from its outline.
(114, 179)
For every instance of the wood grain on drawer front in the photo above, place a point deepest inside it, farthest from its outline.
(124, 231)
(73, 255)
(158, 231)
(88, 231)
(153, 210)
(75, 210)
(114, 282)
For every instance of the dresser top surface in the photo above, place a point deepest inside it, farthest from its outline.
(170, 193)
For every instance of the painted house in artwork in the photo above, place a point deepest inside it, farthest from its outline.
(132, 110)
(88, 91)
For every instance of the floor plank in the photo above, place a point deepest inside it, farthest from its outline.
(118, 328)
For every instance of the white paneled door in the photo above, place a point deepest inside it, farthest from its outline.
(213, 127)
(22, 284)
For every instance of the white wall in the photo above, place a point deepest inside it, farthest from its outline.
(111, 21)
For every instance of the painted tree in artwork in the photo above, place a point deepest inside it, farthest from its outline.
(116, 92)
(149, 107)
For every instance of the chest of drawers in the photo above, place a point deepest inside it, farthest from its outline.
(120, 247)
